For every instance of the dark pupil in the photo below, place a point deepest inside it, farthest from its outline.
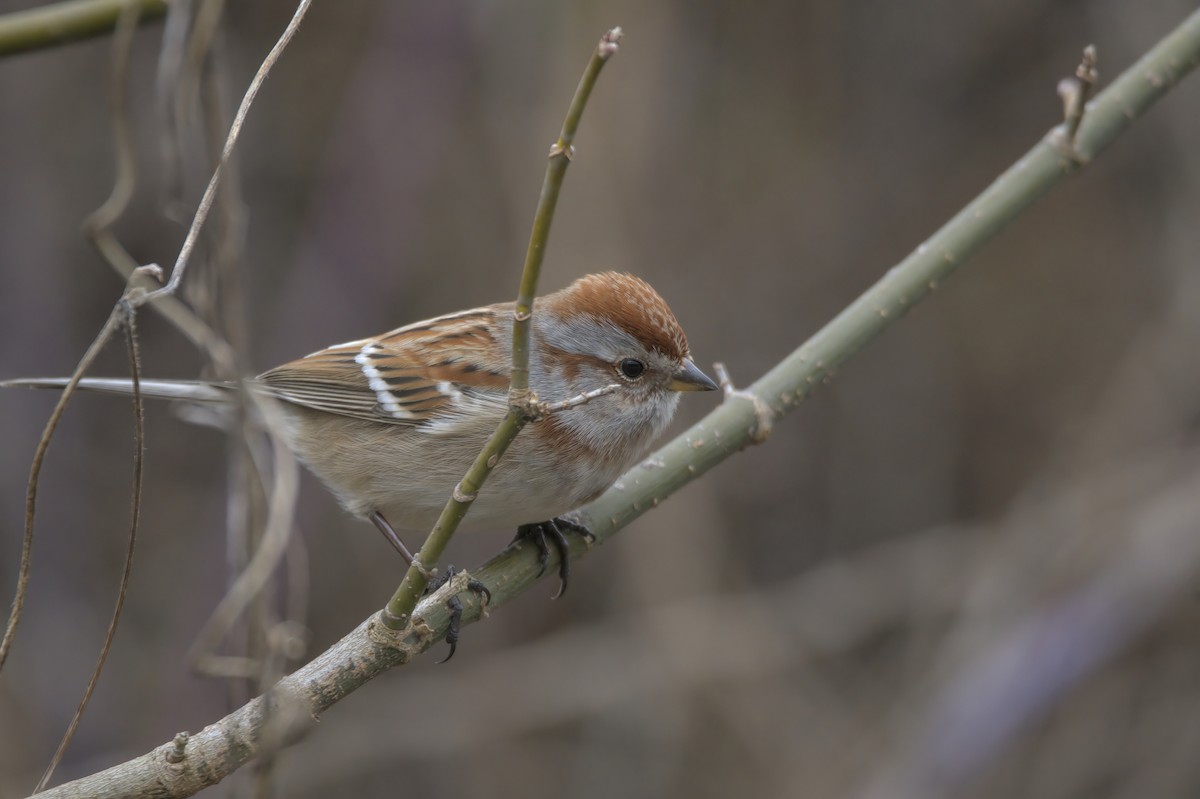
(632, 369)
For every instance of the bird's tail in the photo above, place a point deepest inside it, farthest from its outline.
(189, 390)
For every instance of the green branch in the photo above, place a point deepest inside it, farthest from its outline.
(521, 402)
(59, 23)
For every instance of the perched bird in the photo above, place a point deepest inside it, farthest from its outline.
(391, 423)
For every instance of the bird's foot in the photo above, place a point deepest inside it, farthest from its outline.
(556, 530)
(455, 604)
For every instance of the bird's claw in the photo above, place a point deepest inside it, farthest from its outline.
(556, 530)
(455, 605)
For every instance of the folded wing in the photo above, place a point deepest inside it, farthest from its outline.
(416, 375)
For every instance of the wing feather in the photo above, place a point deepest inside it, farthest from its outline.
(415, 375)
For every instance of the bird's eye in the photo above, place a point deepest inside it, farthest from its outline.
(631, 368)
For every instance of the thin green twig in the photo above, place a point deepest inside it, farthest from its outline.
(521, 403)
(561, 154)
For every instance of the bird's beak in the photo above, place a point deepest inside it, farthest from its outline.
(690, 378)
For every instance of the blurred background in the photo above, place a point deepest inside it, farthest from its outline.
(966, 567)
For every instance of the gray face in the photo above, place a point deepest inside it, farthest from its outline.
(606, 355)
(603, 355)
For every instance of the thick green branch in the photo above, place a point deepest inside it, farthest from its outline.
(745, 418)
(521, 401)
(59, 23)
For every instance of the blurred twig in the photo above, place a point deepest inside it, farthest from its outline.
(99, 225)
(279, 521)
(367, 651)
(135, 512)
(282, 498)
(253, 576)
(59, 23)
(235, 130)
(168, 78)
(1002, 668)
(122, 311)
(522, 404)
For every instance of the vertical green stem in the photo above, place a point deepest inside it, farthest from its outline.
(560, 158)
(396, 614)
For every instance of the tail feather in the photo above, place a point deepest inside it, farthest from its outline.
(189, 390)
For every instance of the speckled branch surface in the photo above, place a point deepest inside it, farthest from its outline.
(182, 767)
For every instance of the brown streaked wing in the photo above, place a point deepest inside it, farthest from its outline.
(408, 376)
(330, 381)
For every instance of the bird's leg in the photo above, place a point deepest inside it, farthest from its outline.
(455, 605)
(390, 534)
(556, 530)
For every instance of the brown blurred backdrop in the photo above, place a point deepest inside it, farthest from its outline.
(760, 164)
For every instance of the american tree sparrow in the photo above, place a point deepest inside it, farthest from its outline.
(391, 423)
